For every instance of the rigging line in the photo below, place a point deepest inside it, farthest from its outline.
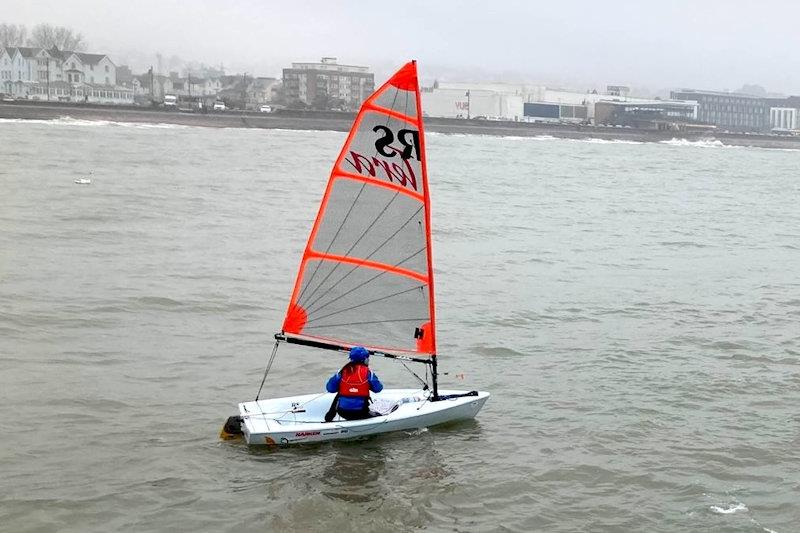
(283, 413)
(347, 253)
(330, 244)
(365, 303)
(367, 322)
(344, 220)
(427, 399)
(364, 260)
(373, 278)
(424, 383)
(266, 371)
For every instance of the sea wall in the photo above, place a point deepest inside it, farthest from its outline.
(336, 121)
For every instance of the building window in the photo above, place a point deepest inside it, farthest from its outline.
(106, 68)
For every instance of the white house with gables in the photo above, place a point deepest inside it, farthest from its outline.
(5, 71)
(54, 74)
(96, 69)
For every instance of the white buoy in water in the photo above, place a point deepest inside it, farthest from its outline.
(85, 181)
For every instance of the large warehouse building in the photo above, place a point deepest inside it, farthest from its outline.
(533, 103)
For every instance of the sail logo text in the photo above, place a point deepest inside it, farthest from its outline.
(402, 173)
(306, 434)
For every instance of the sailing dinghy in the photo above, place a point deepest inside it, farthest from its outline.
(366, 279)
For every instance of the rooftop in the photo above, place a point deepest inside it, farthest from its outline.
(715, 93)
(329, 63)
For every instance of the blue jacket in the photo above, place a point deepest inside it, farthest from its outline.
(349, 403)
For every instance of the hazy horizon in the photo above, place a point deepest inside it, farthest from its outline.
(714, 45)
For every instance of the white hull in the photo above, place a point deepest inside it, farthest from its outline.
(300, 419)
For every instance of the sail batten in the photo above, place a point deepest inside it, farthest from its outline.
(364, 263)
(391, 113)
(366, 273)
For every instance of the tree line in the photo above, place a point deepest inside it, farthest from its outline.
(41, 36)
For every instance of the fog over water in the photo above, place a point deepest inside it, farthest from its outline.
(632, 308)
(715, 44)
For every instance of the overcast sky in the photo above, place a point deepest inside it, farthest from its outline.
(712, 44)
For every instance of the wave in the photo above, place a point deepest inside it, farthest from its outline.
(543, 137)
(529, 138)
(684, 244)
(66, 120)
(498, 351)
(590, 140)
(702, 143)
(594, 140)
(730, 509)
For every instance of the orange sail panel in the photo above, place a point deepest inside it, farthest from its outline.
(366, 276)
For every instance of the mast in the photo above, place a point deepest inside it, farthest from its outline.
(435, 375)
(431, 304)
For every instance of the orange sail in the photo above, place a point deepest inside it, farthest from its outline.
(366, 276)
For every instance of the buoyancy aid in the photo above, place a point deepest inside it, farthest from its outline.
(355, 380)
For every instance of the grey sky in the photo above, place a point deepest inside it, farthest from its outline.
(711, 44)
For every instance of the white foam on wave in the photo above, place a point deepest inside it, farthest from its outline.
(733, 508)
(594, 140)
(70, 121)
(544, 137)
(493, 136)
(151, 125)
(703, 143)
(781, 149)
(533, 138)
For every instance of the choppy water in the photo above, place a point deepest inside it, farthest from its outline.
(633, 308)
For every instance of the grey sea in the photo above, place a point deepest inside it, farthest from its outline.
(634, 309)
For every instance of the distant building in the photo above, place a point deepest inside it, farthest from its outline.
(5, 71)
(264, 90)
(95, 69)
(784, 114)
(652, 114)
(530, 103)
(194, 86)
(23, 68)
(783, 118)
(83, 92)
(327, 84)
(458, 102)
(53, 74)
(732, 111)
(618, 90)
(124, 75)
(549, 112)
(150, 86)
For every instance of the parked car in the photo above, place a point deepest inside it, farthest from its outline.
(6, 97)
(219, 106)
(265, 109)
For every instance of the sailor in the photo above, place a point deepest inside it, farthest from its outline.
(353, 384)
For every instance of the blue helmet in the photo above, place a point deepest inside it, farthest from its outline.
(358, 354)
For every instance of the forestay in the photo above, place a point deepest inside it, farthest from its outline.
(365, 277)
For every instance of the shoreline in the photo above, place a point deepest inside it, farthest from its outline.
(341, 121)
